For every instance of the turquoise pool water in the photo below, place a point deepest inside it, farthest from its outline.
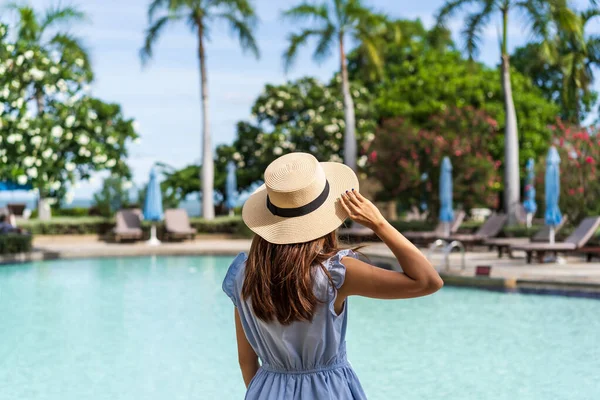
(160, 328)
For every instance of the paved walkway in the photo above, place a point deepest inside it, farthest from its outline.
(574, 275)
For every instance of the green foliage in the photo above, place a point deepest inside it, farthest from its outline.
(66, 212)
(201, 15)
(420, 84)
(12, 243)
(564, 69)
(178, 184)
(69, 134)
(465, 135)
(302, 115)
(112, 197)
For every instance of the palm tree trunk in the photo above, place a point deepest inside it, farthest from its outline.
(207, 169)
(511, 147)
(349, 134)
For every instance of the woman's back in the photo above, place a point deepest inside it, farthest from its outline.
(302, 360)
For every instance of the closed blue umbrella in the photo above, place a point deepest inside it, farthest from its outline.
(529, 204)
(153, 209)
(231, 187)
(446, 212)
(553, 216)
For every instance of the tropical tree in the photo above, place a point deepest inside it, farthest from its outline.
(565, 73)
(543, 18)
(334, 21)
(70, 138)
(200, 16)
(43, 29)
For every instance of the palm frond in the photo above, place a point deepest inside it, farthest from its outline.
(243, 7)
(474, 27)
(589, 14)
(152, 35)
(307, 12)
(28, 26)
(296, 41)
(593, 49)
(323, 49)
(450, 9)
(243, 29)
(72, 44)
(56, 15)
(156, 6)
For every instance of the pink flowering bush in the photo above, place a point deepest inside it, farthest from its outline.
(579, 150)
(406, 160)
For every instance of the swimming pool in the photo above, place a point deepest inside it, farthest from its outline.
(160, 328)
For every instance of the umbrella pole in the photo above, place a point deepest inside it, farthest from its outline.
(529, 219)
(153, 239)
(552, 234)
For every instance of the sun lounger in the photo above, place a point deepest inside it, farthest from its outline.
(128, 225)
(490, 229)
(584, 232)
(429, 236)
(177, 224)
(504, 244)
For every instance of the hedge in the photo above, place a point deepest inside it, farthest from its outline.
(11, 243)
(102, 226)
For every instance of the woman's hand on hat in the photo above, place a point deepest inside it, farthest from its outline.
(361, 210)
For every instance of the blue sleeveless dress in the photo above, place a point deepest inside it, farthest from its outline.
(301, 361)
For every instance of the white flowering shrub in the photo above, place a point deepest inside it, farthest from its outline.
(304, 115)
(52, 132)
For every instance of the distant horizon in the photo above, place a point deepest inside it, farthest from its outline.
(164, 96)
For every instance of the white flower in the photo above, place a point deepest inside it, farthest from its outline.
(69, 166)
(86, 88)
(22, 179)
(38, 163)
(257, 153)
(54, 70)
(62, 85)
(362, 161)
(111, 163)
(11, 138)
(50, 89)
(69, 121)
(32, 172)
(311, 113)
(338, 135)
(82, 151)
(126, 185)
(47, 153)
(137, 140)
(135, 125)
(29, 54)
(50, 202)
(241, 164)
(54, 156)
(55, 185)
(28, 161)
(237, 156)
(92, 114)
(279, 104)
(57, 131)
(83, 139)
(20, 60)
(2, 69)
(277, 151)
(261, 109)
(111, 140)
(1, 108)
(23, 124)
(331, 128)
(79, 62)
(69, 135)
(22, 148)
(19, 102)
(5, 92)
(98, 129)
(99, 159)
(335, 158)
(69, 197)
(45, 61)
(355, 93)
(370, 137)
(10, 47)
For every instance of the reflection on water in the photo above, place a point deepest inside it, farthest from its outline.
(161, 328)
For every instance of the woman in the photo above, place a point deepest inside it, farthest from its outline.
(290, 292)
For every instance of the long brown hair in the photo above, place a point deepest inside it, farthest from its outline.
(279, 278)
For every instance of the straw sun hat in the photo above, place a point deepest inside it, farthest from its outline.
(299, 200)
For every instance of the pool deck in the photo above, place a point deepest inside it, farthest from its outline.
(574, 277)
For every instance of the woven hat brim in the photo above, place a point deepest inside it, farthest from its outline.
(325, 219)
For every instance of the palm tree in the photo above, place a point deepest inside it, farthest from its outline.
(199, 16)
(575, 59)
(331, 22)
(43, 30)
(543, 17)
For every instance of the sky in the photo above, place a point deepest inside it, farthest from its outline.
(163, 97)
